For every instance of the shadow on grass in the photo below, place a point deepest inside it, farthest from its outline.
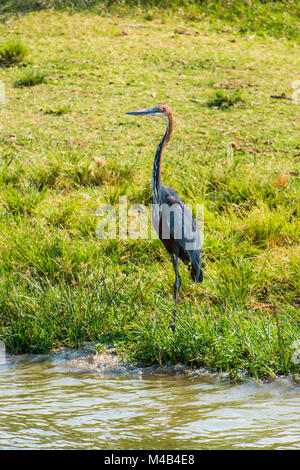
(27, 6)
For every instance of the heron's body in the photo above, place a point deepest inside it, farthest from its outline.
(172, 220)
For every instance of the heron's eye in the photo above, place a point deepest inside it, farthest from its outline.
(160, 110)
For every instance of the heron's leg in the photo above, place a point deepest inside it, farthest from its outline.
(177, 283)
(177, 276)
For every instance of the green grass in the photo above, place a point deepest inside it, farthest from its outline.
(224, 100)
(271, 17)
(66, 146)
(59, 111)
(31, 77)
(12, 52)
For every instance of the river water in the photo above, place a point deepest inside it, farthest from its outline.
(60, 402)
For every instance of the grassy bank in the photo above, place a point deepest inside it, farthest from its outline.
(274, 17)
(66, 147)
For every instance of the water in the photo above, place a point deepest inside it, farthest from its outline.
(52, 402)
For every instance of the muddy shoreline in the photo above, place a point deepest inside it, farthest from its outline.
(109, 362)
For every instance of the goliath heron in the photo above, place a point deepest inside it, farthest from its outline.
(172, 220)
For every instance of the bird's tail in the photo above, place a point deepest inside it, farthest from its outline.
(197, 273)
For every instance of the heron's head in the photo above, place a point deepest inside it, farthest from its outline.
(160, 110)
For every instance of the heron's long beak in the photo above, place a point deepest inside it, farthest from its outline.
(143, 112)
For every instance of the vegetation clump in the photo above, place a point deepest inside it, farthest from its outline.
(225, 100)
(12, 52)
(59, 110)
(31, 77)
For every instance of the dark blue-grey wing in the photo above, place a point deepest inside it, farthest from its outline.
(183, 228)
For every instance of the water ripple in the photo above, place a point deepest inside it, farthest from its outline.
(49, 404)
